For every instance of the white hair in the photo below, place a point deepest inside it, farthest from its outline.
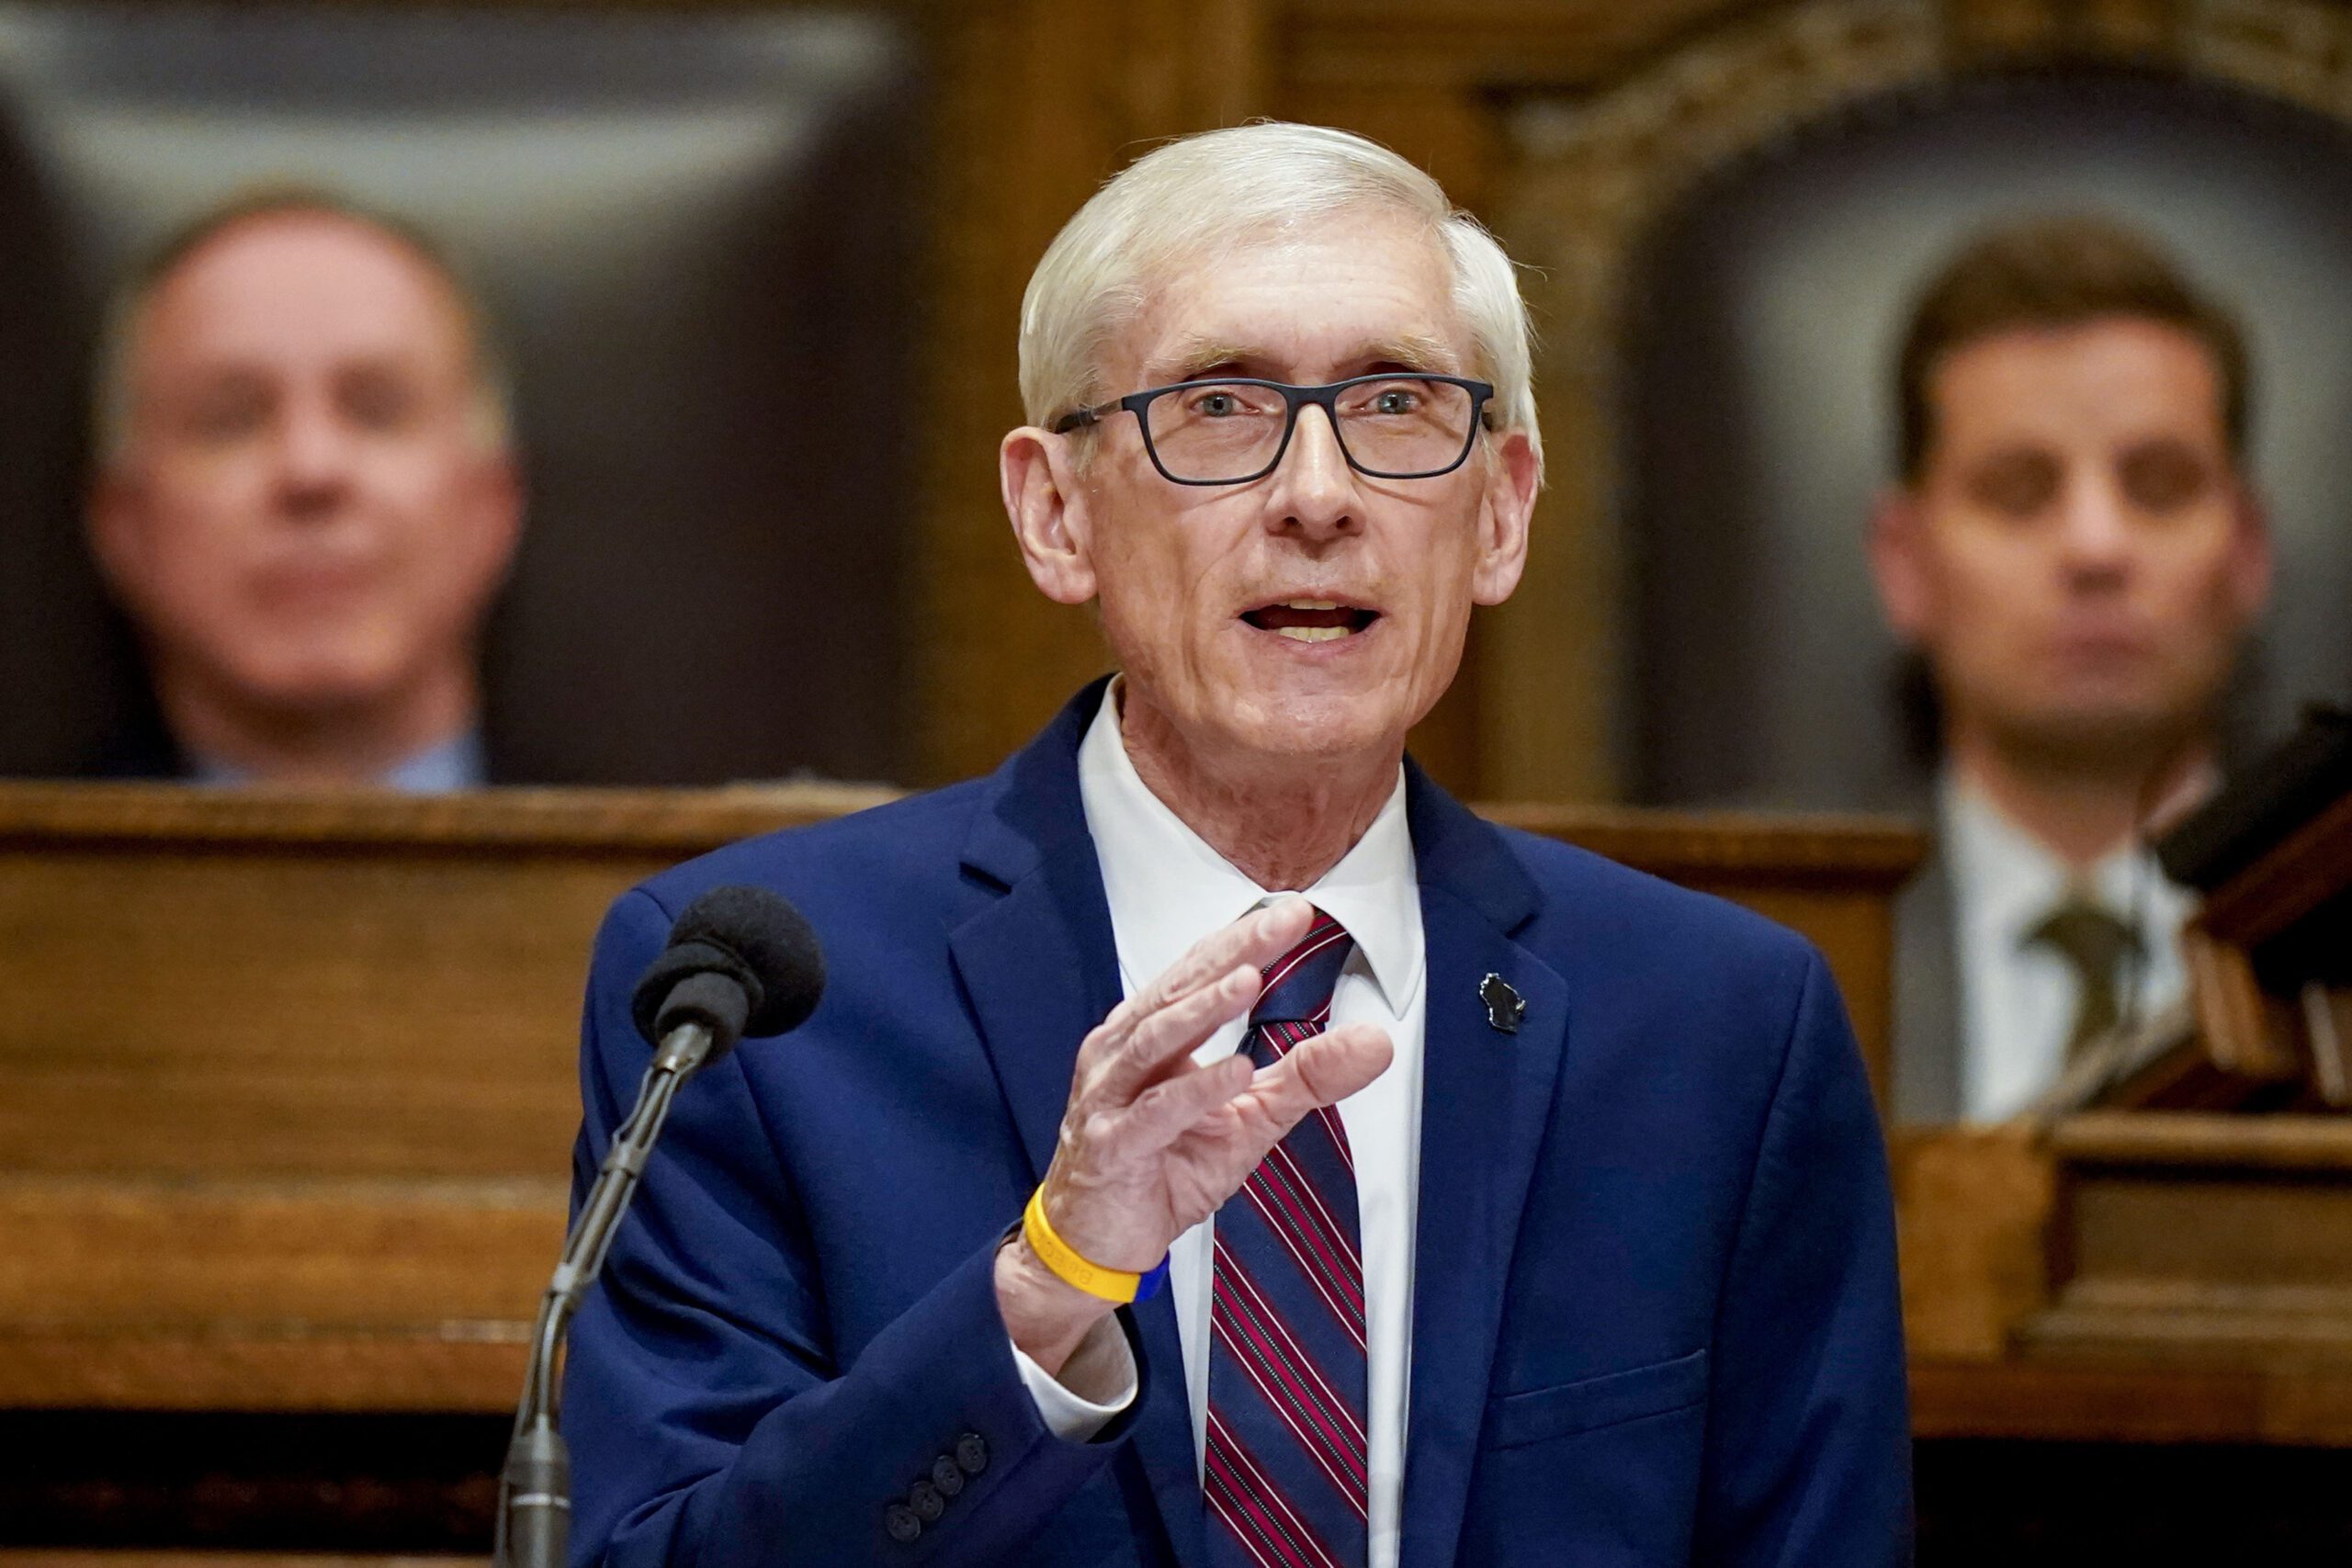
(1200, 194)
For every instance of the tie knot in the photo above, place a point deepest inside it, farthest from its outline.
(2090, 938)
(1297, 986)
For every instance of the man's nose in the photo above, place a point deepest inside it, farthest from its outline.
(314, 457)
(2095, 527)
(1313, 488)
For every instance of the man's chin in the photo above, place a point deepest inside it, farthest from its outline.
(1321, 726)
(2100, 738)
(320, 689)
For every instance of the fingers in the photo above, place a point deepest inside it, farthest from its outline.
(1256, 939)
(1270, 1102)
(1169, 1109)
(1144, 1033)
(1322, 1071)
(1157, 1043)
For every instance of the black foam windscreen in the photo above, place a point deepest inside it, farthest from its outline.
(747, 935)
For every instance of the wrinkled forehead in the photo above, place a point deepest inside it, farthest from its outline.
(1307, 298)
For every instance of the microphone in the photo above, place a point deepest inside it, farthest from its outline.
(739, 961)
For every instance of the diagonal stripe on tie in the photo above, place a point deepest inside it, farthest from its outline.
(1285, 1202)
(1261, 1517)
(1326, 1431)
(1284, 1181)
(1287, 1465)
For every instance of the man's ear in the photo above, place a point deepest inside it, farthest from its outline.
(1504, 516)
(1898, 562)
(111, 521)
(498, 500)
(1048, 511)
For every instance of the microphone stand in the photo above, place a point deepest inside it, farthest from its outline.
(535, 1487)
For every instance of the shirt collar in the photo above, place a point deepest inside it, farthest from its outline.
(455, 763)
(2006, 880)
(1168, 888)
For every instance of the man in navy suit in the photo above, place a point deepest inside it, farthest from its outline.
(1216, 1146)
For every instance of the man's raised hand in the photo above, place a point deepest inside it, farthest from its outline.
(1151, 1142)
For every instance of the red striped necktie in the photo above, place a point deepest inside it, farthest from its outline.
(1286, 1476)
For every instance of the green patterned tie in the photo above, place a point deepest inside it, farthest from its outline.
(2093, 942)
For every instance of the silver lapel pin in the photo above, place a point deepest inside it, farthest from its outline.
(1505, 1007)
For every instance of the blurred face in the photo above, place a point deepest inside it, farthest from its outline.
(2078, 560)
(305, 515)
(1315, 613)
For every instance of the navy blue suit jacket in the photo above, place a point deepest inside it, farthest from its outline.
(1655, 1312)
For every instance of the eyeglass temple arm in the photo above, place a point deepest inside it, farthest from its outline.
(1079, 419)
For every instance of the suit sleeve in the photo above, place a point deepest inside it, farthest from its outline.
(709, 1419)
(1808, 1459)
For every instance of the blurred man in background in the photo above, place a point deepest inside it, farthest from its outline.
(304, 498)
(2074, 551)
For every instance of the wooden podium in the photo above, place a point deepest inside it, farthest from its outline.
(2173, 1262)
(288, 1083)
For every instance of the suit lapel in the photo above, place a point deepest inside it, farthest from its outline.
(1925, 1064)
(1486, 1101)
(1041, 968)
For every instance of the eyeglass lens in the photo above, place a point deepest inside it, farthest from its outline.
(1401, 427)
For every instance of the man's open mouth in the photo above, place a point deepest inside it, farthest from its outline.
(1310, 620)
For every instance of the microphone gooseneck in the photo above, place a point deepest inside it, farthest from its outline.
(739, 961)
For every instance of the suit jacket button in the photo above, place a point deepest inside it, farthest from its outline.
(900, 1522)
(926, 1502)
(945, 1476)
(971, 1453)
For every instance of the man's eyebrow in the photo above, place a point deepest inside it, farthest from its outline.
(1192, 356)
(1413, 351)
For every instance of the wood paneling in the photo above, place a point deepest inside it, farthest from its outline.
(1972, 1206)
(2224, 1240)
(2135, 1276)
(208, 985)
(123, 1255)
(1466, 47)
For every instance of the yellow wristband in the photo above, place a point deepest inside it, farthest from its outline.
(1109, 1284)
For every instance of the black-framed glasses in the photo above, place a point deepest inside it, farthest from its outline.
(1234, 429)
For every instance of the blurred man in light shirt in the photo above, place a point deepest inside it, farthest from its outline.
(2075, 552)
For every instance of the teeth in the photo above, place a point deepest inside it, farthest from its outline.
(1310, 604)
(1312, 634)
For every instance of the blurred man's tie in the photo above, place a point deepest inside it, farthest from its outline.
(2094, 942)
(1286, 1476)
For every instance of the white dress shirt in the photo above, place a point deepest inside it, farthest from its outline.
(1168, 889)
(2017, 997)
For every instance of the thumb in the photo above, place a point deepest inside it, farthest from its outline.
(1322, 1071)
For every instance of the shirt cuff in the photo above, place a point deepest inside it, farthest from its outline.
(1101, 1360)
